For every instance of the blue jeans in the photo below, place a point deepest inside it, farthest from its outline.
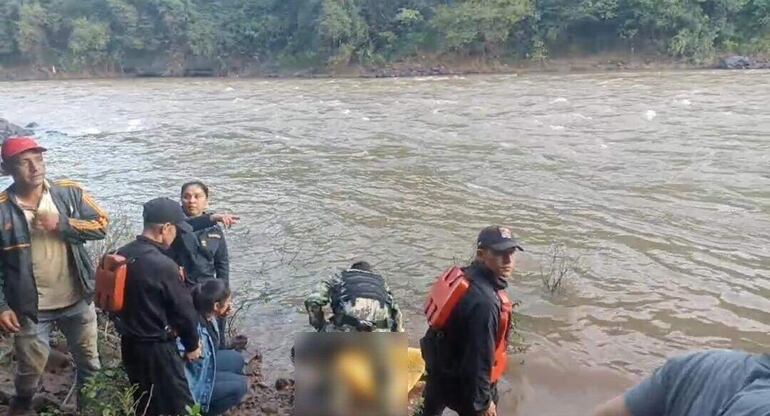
(230, 385)
(77, 323)
(230, 361)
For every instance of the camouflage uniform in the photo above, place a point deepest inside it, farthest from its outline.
(354, 311)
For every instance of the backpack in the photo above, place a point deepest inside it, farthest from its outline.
(111, 282)
(445, 295)
(361, 300)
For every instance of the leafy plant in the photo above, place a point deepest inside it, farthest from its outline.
(88, 42)
(194, 410)
(484, 24)
(108, 393)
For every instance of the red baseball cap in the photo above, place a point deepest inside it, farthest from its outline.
(14, 146)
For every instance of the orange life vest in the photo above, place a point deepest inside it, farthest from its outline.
(111, 282)
(444, 296)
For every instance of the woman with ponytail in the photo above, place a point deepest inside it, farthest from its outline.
(216, 380)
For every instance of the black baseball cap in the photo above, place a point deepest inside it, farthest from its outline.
(497, 238)
(165, 210)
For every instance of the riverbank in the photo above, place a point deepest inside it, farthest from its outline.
(56, 393)
(415, 67)
(106, 393)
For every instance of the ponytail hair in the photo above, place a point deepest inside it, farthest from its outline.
(208, 293)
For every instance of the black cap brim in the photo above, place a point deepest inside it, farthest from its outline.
(184, 227)
(506, 246)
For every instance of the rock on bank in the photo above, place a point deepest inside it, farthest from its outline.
(8, 129)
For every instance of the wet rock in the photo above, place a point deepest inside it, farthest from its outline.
(282, 384)
(411, 71)
(744, 62)
(269, 409)
(8, 129)
(239, 343)
(32, 125)
(761, 64)
(736, 62)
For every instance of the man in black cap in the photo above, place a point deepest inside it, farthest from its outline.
(465, 359)
(157, 305)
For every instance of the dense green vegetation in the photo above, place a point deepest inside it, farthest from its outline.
(228, 34)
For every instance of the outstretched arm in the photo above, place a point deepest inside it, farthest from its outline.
(614, 407)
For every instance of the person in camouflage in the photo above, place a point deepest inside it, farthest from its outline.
(360, 300)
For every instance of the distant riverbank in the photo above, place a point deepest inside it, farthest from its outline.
(424, 66)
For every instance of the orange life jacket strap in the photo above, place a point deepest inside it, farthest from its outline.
(444, 296)
(501, 342)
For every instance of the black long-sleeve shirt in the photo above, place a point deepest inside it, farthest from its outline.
(203, 253)
(221, 256)
(470, 337)
(156, 301)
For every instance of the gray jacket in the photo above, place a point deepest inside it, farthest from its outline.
(80, 220)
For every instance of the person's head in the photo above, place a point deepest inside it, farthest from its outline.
(212, 298)
(195, 198)
(361, 265)
(495, 249)
(163, 220)
(22, 158)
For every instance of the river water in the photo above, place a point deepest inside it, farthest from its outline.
(657, 183)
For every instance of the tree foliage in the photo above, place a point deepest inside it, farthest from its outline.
(88, 42)
(83, 33)
(479, 25)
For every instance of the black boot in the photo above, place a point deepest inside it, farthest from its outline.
(21, 406)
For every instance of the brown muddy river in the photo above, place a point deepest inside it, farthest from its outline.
(658, 182)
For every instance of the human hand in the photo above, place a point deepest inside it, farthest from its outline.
(491, 410)
(46, 221)
(239, 342)
(228, 220)
(193, 355)
(9, 322)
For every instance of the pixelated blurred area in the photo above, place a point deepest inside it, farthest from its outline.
(354, 374)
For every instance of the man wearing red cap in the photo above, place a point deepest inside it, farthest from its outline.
(45, 271)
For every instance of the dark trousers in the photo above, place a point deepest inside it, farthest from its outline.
(222, 324)
(229, 389)
(230, 385)
(230, 361)
(454, 394)
(157, 370)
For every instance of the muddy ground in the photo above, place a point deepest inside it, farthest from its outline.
(55, 396)
(56, 384)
